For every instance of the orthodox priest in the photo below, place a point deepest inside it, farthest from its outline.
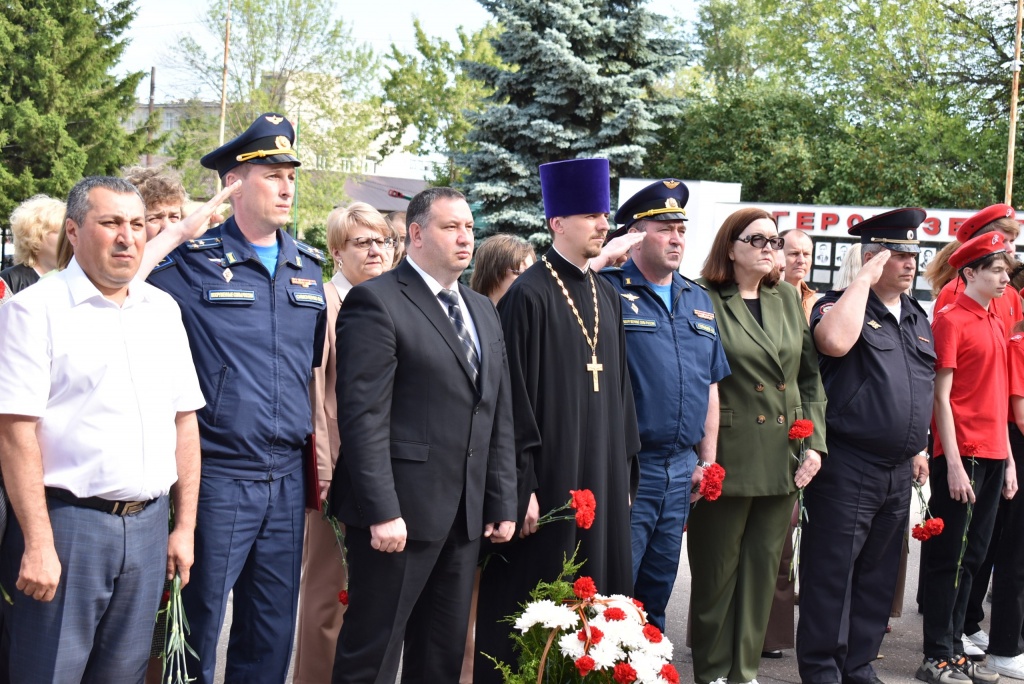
(575, 423)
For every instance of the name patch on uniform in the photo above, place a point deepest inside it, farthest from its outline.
(706, 315)
(304, 282)
(706, 328)
(640, 322)
(303, 298)
(230, 295)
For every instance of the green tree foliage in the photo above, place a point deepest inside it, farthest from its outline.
(578, 79)
(196, 135)
(873, 102)
(295, 57)
(428, 92)
(60, 108)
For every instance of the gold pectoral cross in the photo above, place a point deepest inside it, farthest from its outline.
(595, 368)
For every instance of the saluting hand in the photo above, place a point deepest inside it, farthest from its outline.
(388, 536)
(872, 268)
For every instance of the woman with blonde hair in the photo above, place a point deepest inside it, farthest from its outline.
(36, 223)
(362, 246)
(734, 543)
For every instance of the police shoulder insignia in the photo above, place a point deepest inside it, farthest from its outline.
(202, 243)
(706, 315)
(311, 251)
(825, 308)
(164, 263)
(874, 324)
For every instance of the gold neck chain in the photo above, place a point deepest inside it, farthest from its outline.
(593, 367)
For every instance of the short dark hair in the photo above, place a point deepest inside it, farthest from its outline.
(419, 206)
(986, 261)
(718, 267)
(78, 198)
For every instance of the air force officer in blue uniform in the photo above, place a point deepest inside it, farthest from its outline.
(675, 361)
(253, 306)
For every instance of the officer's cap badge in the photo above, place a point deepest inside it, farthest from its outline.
(671, 203)
(274, 119)
(671, 184)
(282, 142)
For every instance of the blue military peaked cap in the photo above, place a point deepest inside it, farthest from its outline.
(660, 201)
(270, 139)
(895, 230)
(575, 186)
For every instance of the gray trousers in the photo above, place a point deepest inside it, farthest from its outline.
(99, 625)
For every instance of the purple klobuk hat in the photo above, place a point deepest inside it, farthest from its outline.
(575, 186)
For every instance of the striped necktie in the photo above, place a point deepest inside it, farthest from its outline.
(451, 299)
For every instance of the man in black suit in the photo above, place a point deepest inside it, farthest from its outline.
(427, 463)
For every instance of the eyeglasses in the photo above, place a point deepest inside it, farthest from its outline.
(759, 241)
(364, 243)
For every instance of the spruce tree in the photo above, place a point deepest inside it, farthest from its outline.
(577, 80)
(60, 108)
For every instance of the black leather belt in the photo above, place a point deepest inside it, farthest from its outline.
(119, 508)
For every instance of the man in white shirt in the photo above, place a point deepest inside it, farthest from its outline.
(97, 422)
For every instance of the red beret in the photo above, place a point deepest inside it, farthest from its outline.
(984, 217)
(977, 248)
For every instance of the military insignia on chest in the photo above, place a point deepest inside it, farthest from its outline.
(874, 324)
(631, 298)
(706, 315)
(303, 282)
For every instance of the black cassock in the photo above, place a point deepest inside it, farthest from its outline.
(567, 437)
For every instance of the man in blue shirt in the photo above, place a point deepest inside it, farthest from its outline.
(253, 306)
(675, 362)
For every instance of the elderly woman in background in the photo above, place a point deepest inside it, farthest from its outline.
(735, 542)
(499, 261)
(163, 194)
(362, 246)
(36, 224)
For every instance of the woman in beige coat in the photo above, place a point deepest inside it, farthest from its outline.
(734, 543)
(363, 246)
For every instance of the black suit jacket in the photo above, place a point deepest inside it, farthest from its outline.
(415, 431)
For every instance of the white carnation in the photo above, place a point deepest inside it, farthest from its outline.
(571, 646)
(546, 613)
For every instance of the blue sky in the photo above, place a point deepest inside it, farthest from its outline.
(380, 23)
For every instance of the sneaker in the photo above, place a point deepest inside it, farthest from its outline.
(978, 673)
(979, 639)
(1011, 666)
(940, 672)
(971, 649)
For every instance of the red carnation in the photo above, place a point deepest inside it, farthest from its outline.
(652, 633)
(583, 499)
(711, 482)
(585, 664)
(343, 597)
(624, 673)
(669, 673)
(638, 604)
(934, 526)
(970, 449)
(614, 613)
(595, 635)
(584, 519)
(165, 599)
(584, 588)
(920, 533)
(801, 429)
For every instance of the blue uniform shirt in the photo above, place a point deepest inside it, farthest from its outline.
(880, 393)
(255, 340)
(673, 357)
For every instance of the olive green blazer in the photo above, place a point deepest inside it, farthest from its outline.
(775, 380)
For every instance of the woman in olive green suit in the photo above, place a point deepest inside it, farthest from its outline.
(734, 543)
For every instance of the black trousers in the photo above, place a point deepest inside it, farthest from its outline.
(945, 599)
(852, 541)
(1007, 553)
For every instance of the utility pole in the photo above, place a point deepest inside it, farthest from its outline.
(224, 82)
(1013, 107)
(149, 129)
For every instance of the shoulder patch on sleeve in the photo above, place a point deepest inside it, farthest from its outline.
(825, 308)
(164, 263)
(311, 251)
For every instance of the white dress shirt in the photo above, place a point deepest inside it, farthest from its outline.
(435, 288)
(105, 382)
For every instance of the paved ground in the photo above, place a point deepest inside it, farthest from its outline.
(900, 650)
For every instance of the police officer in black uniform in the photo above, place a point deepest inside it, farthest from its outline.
(253, 305)
(878, 368)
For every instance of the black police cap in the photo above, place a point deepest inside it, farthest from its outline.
(660, 201)
(895, 230)
(268, 140)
